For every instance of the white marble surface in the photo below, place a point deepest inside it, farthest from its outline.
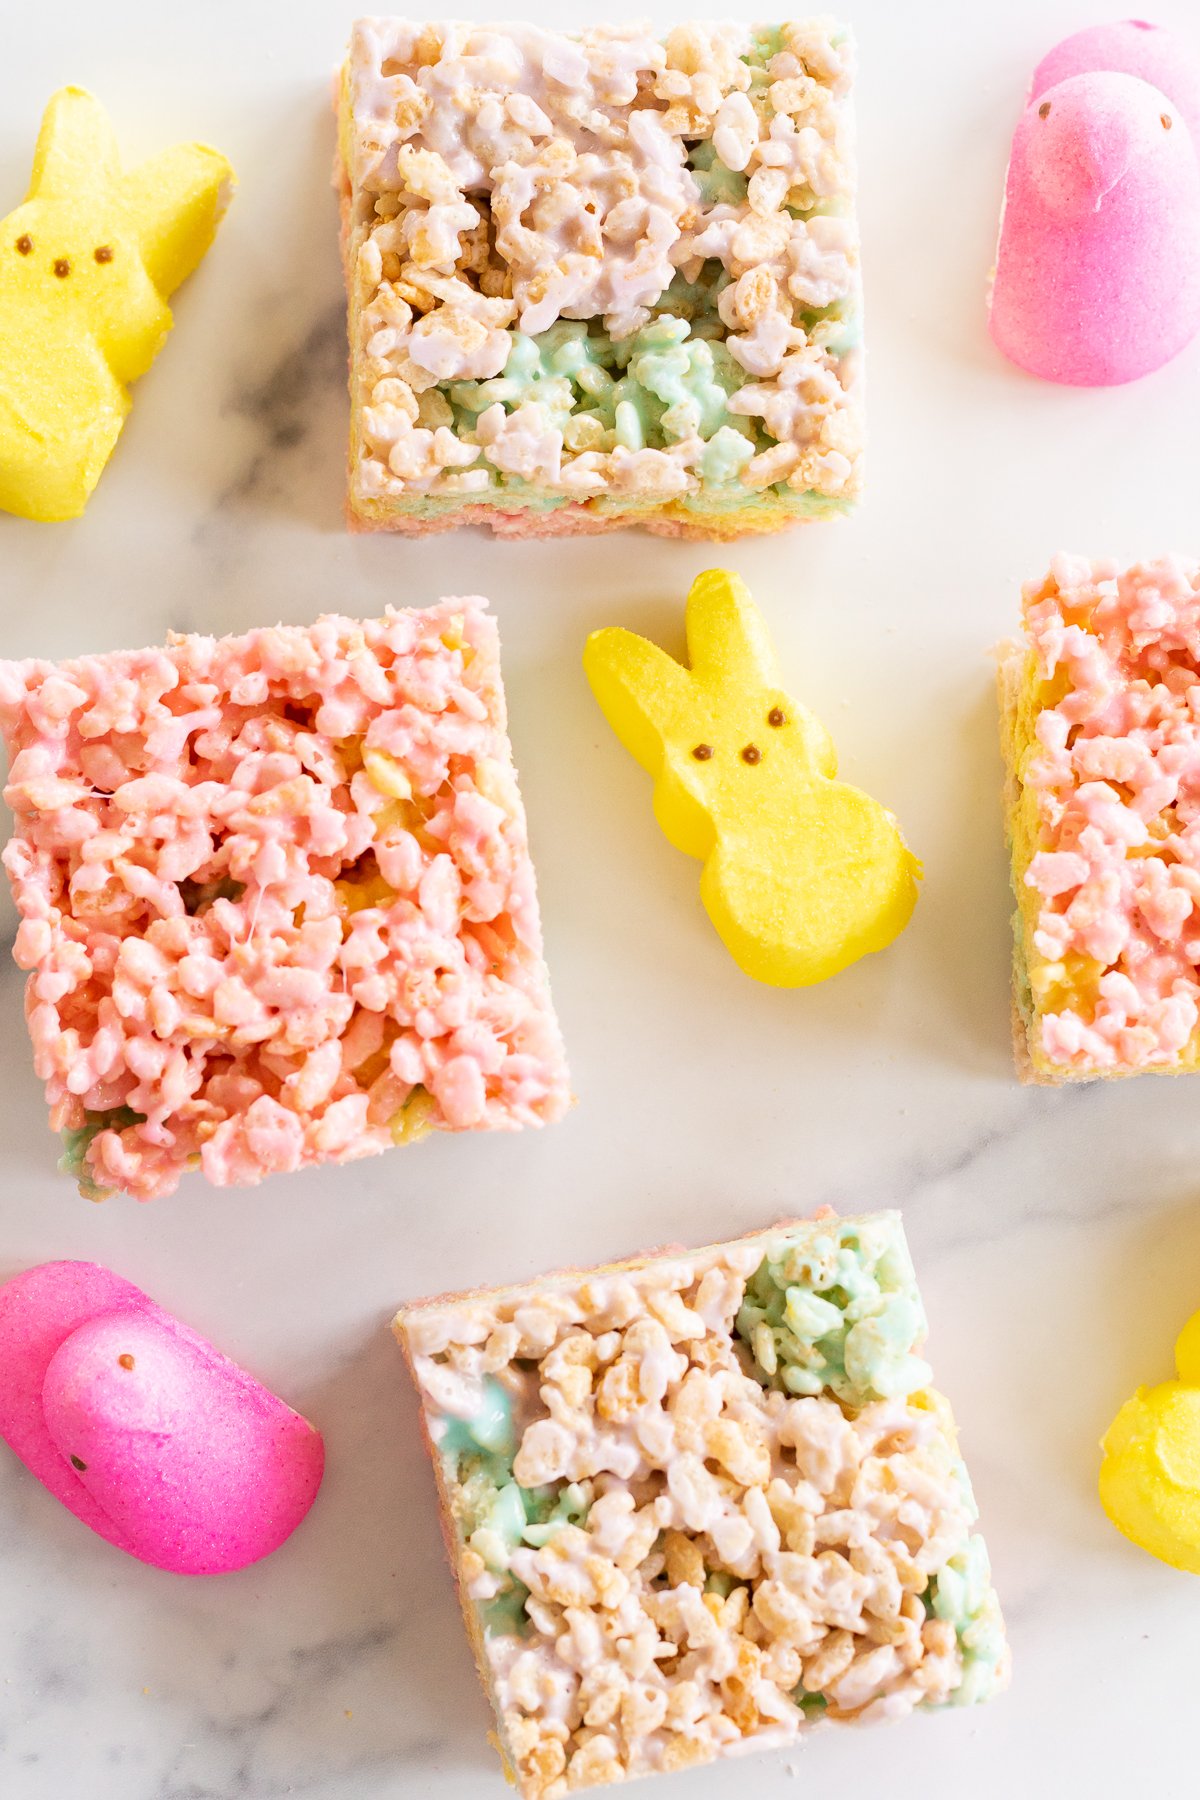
(1057, 1235)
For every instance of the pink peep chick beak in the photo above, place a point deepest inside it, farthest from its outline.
(1080, 150)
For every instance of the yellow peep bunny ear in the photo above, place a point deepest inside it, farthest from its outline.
(76, 153)
(726, 634)
(177, 199)
(643, 693)
(1187, 1352)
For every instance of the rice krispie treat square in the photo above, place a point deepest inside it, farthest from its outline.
(599, 279)
(1101, 730)
(698, 1501)
(276, 898)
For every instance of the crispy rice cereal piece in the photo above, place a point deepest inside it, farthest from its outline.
(276, 898)
(1100, 711)
(600, 279)
(697, 1501)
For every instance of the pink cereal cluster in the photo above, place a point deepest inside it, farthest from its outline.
(276, 896)
(1118, 797)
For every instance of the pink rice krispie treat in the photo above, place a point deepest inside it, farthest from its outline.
(276, 898)
(1101, 725)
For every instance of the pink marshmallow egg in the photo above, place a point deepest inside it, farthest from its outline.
(144, 1431)
(1132, 47)
(1098, 266)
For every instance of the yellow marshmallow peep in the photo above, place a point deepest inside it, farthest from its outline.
(86, 265)
(803, 874)
(1150, 1476)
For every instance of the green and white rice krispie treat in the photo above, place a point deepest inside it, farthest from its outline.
(600, 279)
(698, 1501)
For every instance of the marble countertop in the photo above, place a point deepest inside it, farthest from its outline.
(1056, 1234)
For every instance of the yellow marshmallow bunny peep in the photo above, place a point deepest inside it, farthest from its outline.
(86, 264)
(802, 873)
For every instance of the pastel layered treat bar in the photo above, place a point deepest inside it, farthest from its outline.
(277, 904)
(1099, 707)
(600, 279)
(698, 1501)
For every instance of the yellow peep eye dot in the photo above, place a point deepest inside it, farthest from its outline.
(702, 752)
(62, 267)
(776, 716)
(24, 244)
(751, 754)
(103, 253)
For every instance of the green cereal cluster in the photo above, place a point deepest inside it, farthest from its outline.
(677, 386)
(76, 1144)
(647, 391)
(837, 1311)
(961, 1592)
(718, 185)
(696, 301)
(565, 368)
(766, 41)
(477, 1454)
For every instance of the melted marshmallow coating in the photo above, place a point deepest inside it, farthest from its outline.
(276, 898)
(1110, 802)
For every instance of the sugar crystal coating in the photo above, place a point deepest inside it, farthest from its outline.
(697, 1501)
(603, 271)
(276, 898)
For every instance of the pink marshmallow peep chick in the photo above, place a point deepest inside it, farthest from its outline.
(1098, 268)
(1135, 47)
(144, 1431)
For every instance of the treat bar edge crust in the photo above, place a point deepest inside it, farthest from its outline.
(696, 1501)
